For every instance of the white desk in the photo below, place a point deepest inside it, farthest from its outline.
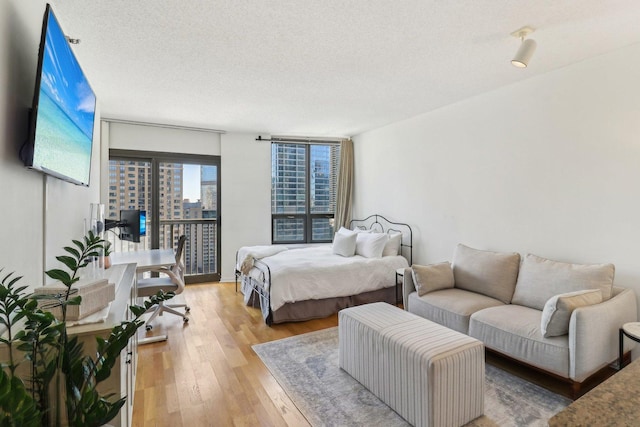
(145, 261)
(122, 380)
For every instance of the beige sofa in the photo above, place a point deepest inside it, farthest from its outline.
(559, 317)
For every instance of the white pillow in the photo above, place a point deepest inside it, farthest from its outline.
(357, 230)
(370, 245)
(557, 310)
(345, 231)
(344, 244)
(392, 247)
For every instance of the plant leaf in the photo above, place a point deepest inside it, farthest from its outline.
(72, 251)
(70, 262)
(60, 275)
(79, 244)
(75, 300)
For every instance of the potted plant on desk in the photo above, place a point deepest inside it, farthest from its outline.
(106, 251)
(56, 365)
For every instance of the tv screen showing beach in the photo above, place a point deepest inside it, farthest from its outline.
(65, 111)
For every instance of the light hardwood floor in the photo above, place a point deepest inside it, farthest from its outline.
(206, 374)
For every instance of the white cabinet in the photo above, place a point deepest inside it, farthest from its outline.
(123, 375)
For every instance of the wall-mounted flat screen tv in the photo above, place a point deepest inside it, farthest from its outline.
(61, 124)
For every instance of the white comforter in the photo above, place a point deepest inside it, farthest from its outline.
(316, 273)
(246, 255)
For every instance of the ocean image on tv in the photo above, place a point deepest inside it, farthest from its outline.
(66, 109)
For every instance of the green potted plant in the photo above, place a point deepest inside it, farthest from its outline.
(44, 364)
(106, 252)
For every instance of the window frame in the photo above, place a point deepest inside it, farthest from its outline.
(155, 158)
(307, 217)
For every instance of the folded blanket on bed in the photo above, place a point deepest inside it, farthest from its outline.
(247, 254)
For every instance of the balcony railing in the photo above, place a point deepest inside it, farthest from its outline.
(200, 250)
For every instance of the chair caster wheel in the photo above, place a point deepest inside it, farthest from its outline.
(148, 327)
(187, 309)
(185, 319)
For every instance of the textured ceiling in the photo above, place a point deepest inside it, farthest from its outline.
(326, 67)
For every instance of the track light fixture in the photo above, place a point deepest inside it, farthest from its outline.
(527, 47)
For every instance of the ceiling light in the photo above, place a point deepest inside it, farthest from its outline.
(527, 47)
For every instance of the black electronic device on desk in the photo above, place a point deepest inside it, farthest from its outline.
(132, 225)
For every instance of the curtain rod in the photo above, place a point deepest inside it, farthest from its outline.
(305, 140)
(162, 125)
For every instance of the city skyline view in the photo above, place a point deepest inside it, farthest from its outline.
(187, 202)
(303, 184)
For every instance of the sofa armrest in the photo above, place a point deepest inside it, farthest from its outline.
(407, 287)
(593, 333)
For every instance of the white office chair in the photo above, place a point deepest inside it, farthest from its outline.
(171, 280)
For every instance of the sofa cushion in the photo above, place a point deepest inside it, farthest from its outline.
(489, 273)
(449, 307)
(429, 278)
(514, 330)
(541, 278)
(557, 311)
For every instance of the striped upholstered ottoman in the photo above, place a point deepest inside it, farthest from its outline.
(427, 373)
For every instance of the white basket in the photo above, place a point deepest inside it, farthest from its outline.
(96, 294)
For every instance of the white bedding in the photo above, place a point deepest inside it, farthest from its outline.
(246, 255)
(316, 273)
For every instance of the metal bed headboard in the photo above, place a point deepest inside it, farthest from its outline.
(381, 224)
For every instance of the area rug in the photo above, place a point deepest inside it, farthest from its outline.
(306, 366)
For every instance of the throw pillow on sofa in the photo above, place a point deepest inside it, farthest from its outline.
(429, 278)
(485, 272)
(557, 311)
(541, 278)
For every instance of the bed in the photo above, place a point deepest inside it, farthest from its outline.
(302, 283)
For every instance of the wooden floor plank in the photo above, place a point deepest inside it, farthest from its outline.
(206, 373)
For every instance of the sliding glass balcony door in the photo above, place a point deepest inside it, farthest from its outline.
(189, 206)
(181, 196)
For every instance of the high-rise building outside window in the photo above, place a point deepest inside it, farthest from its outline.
(303, 191)
(183, 198)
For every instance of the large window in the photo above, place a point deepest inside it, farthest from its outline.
(303, 191)
(180, 194)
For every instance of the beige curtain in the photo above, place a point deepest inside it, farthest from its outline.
(345, 185)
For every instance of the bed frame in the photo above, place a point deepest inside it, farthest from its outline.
(256, 294)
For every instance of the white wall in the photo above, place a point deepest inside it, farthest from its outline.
(549, 166)
(163, 139)
(245, 196)
(25, 245)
